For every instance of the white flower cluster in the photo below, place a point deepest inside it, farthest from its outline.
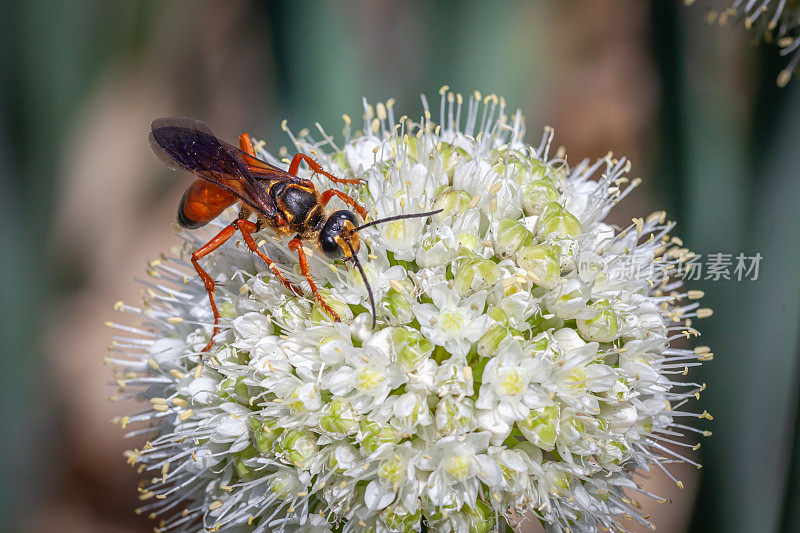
(522, 363)
(777, 20)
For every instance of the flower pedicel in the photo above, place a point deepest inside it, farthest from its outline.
(522, 361)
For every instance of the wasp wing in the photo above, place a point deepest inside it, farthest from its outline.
(188, 144)
(261, 170)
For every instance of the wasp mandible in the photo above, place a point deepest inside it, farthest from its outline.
(278, 199)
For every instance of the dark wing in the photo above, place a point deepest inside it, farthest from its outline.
(261, 170)
(188, 144)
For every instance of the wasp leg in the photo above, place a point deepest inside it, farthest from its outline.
(246, 144)
(207, 280)
(297, 246)
(313, 165)
(330, 193)
(247, 229)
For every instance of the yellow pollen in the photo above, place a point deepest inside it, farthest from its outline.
(458, 467)
(512, 384)
(369, 379)
(704, 312)
(452, 320)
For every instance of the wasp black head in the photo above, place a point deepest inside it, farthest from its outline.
(338, 228)
(338, 239)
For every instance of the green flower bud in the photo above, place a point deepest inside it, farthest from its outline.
(480, 517)
(451, 200)
(509, 165)
(602, 328)
(451, 155)
(521, 168)
(541, 263)
(342, 453)
(539, 343)
(511, 235)
(265, 432)
(498, 314)
(539, 170)
(398, 307)
(340, 308)
(374, 434)
(467, 240)
(239, 460)
(540, 427)
(489, 341)
(398, 518)
(234, 388)
(411, 347)
(297, 446)
(338, 417)
(476, 274)
(537, 194)
(557, 221)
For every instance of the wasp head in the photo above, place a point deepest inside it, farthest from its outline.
(338, 238)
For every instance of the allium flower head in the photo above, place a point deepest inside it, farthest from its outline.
(522, 364)
(777, 20)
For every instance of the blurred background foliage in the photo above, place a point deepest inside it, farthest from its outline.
(85, 204)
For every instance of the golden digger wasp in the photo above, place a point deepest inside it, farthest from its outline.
(277, 198)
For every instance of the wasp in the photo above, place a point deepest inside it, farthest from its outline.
(278, 199)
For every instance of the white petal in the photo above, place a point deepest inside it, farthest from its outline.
(377, 497)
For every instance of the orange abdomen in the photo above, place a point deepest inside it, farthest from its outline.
(203, 202)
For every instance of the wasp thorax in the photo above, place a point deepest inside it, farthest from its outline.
(337, 231)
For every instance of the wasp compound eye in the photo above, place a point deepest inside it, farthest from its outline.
(332, 229)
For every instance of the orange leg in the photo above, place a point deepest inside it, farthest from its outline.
(246, 144)
(248, 228)
(330, 193)
(314, 166)
(208, 281)
(297, 246)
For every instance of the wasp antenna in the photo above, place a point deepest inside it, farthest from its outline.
(398, 217)
(366, 283)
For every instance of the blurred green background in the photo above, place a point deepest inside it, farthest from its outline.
(84, 204)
